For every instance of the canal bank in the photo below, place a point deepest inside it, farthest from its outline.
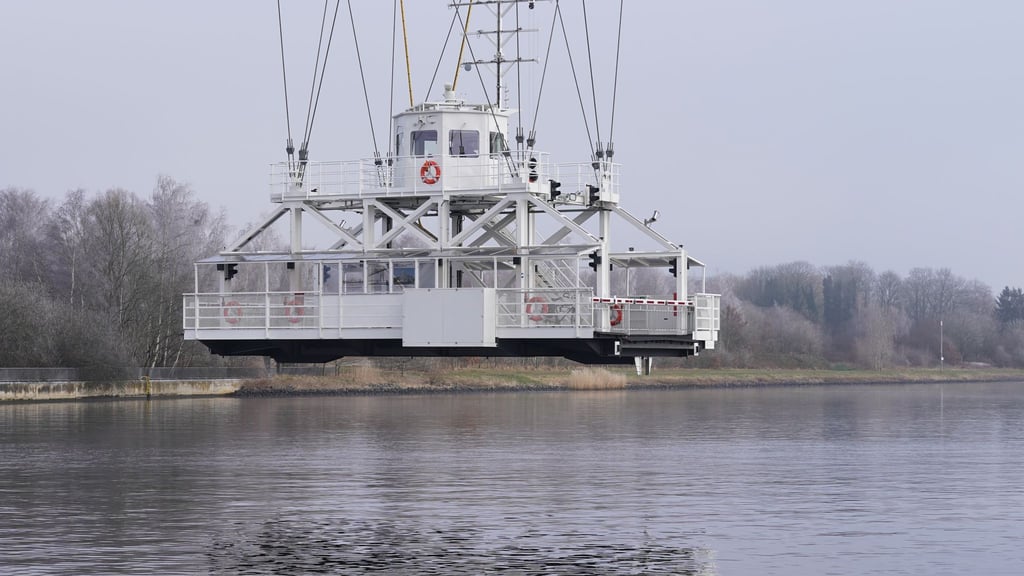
(369, 381)
(141, 388)
(365, 380)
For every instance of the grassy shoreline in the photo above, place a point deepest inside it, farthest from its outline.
(365, 380)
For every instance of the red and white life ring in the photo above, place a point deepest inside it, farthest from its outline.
(616, 315)
(536, 308)
(232, 312)
(295, 308)
(430, 172)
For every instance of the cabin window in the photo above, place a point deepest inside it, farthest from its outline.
(403, 275)
(377, 277)
(353, 281)
(398, 144)
(330, 272)
(464, 143)
(426, 274)
(498, 143)
(424, 142)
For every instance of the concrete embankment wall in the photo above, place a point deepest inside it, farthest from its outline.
(10, 391)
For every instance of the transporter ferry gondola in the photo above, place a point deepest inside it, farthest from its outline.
(459, 240)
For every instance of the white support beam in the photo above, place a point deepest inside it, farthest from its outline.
(496, 230)
(561, 218)
(255, 231)
(355, 232)
(369, 222)
(479, 223)
(639, 225)
(402, 222)
(565, 230)
(295, 243)
(341, 232)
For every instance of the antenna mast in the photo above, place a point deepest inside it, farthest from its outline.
(499, 37)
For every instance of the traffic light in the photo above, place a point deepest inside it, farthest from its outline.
(594, 193)
(595, 261)
(555, 185)
(229, 270)
(673, 270)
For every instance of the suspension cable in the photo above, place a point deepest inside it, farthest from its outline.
(465, 36)
(593, 89)
(405, 39)
(289, 147)
(583, 108)
(391, 90)
(440, 56)
(615, 84)
(543, 75)
(327, 52)
(362, 76)
(312, 87)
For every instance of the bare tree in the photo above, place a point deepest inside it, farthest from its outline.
(887, 290)
(796, 285)
(878, 329)
(22, 237)
(119, 247)
(66, 235)
(183, 230)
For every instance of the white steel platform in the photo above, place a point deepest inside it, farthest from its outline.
(450, 244)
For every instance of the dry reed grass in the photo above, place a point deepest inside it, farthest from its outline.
(595, 379)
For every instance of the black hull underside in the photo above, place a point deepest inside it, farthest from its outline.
(602, 349)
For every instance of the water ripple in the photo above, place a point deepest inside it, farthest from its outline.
(359, 546)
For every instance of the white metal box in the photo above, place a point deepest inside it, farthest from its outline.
(448, 317)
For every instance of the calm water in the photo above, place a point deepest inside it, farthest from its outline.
(914, 479)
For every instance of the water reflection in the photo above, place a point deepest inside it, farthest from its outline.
(802, 480)
(399, 547)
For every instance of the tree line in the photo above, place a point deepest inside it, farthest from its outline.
(797, 314)
(95, 281)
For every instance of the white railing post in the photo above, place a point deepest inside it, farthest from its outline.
(576, 316)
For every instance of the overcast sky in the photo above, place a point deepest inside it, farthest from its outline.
(765, 132)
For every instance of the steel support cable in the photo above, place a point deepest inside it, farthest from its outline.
(465, 36)
(575, 79)
(440, 56)
(312, 87)
(483, 86)
(362, 77)
(391, 92)
(327, 52)
(519, 81)
(615, 84)
(405, 40)
(593, 88)
(289, 148)
(543, 75)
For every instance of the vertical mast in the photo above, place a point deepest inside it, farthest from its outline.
(499, 36)
(497, 57)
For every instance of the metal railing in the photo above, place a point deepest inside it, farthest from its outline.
(514, 308)
(648, 319)
(576, 176)
(707, 312)
(545, 307)
(248, 310)
(560, 274)
(405, 176)
(421, 175)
